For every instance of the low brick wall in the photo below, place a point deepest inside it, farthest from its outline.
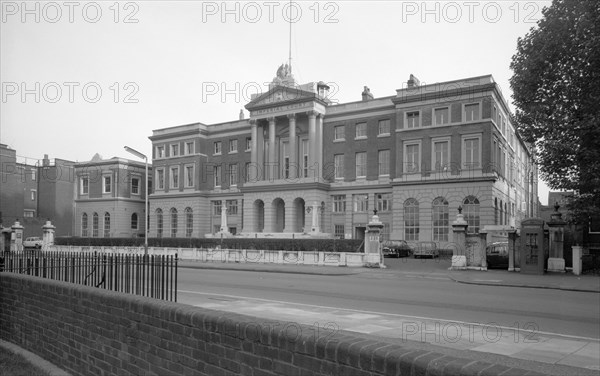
(92, 331)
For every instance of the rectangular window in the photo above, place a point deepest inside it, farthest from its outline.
(285, 146)
(160, 179)
(361, 165)
(189, 148)
(441, 115)
(384, 127)
(216, 205)
(31, 214)
(441, 155)
(248, 143)
(494, 113)
(471, 156)
(412, 119)
(305, 158)
(160, 152)
(217, 147)
(174, 150)
(232, 207)
(33, 175)
(217, 173)
(339, 132)
(135, 186)
(107, 184)
(174, 177)
(189, 176)
(233, 174)
(472, 112)
(85, 186)
(339, 203)
(247, 172)
(33, 194)
(384, 202)
(383, 160)
(385, 232)
(338, 162)
(503, 125)
(361, 130)
(233, 146)
(412, 158)
(339, 232)
(361, 202)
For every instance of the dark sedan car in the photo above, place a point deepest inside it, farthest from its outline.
(497, 255)
(395, 248)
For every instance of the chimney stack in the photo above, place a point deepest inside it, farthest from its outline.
(46, 161)
(366, 94)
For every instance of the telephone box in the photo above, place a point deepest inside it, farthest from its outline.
(533, 250)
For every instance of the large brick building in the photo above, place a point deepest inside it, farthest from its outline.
(33, 191)
(304, 165)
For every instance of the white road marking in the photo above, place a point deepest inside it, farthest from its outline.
(466, 323)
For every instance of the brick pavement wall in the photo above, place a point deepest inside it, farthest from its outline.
(85, 330)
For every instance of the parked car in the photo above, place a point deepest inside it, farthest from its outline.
(426, 249)
(496, 255)
(33, 242)
(395, 248)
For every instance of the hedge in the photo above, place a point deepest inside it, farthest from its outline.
(306, 245)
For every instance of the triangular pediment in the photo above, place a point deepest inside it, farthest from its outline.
(280, 95)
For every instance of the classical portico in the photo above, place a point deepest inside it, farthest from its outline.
(286, 158)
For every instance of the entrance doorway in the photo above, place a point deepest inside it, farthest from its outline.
(359, 232)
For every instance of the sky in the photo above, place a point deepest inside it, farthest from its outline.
(80, 78)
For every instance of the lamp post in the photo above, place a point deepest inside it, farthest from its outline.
(143, 156)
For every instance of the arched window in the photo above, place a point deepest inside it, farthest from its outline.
(440, 221)
(84, 225)
(189, 222)
(95, 225)
(159, 223)
(106, 225)
(173, 222)
(471, 210)
(134, 221)
(411, 219)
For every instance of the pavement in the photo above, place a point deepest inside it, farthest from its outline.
(562, 354)
(559, 281)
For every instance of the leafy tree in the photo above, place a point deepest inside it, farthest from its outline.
(556, 89)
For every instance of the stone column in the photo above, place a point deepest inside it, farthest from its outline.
(482, 249)
(512, 242)
(48, 237)
(319, 155)
(16, 239)
(293, 147)
(577, 263)
(373, 253)
(272, 170)
(312, 141)
(260, 152)
(459, 231)
(254, 142)
(314, 227)
(556, 227)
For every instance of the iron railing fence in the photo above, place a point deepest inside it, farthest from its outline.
(154, 276)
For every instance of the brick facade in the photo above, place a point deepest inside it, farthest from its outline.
(451, 141)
